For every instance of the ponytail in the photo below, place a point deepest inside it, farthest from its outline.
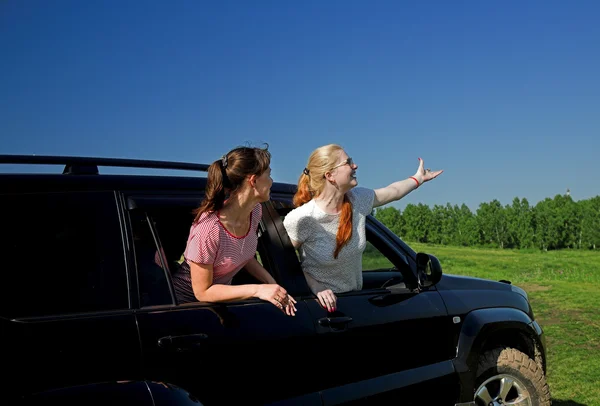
(344, 232)
(303, 194)
(215, 190)
(227, 175)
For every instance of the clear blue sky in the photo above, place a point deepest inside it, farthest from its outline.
(502, 95)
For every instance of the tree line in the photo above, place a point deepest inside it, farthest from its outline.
(549, 225)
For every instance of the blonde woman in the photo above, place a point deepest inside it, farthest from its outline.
(328, 223)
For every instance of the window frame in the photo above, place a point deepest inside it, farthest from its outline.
(145, 202)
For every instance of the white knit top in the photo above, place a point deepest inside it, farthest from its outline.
(316, 230)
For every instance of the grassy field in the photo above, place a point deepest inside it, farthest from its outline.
(564, 290)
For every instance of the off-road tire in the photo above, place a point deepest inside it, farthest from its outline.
(514, 364)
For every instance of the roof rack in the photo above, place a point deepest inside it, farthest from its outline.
(76, 165)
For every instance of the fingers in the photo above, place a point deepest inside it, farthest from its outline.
(280, 294)
(279, 297)
(431, 175)
(284, 302)
(327, 299)
(290, 308)
(277, 304)
(421, 164)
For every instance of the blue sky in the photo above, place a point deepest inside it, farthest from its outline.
(502, 95)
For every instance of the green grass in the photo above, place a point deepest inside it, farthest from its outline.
(564, 290)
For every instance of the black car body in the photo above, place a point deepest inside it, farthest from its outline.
(88, 310)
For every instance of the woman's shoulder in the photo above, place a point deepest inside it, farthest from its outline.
(361, 193)
(297, 213)
(363, 198)
(257, 210)
(256, 214)
(208, 221)
(302, 210)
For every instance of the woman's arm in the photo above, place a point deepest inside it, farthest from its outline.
(398, 190)
(326, 297)
(255, 269)
(206, 291)
(296, 244)
(393, 192)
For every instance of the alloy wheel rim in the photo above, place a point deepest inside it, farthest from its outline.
(502, 390)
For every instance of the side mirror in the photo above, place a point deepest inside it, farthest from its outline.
(429, 270)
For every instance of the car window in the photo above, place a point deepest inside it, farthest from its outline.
(374, 260)
(61, 253)
(160, 238)
(151, 262)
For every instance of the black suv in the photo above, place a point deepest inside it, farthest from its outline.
(88, 313)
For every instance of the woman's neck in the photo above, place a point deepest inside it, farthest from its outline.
(237, 208)
(330, 201)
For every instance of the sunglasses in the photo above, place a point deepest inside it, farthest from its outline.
(347, 161)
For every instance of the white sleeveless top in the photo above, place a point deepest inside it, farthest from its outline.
(316, 230)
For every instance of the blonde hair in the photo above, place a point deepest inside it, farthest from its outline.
(312, 182)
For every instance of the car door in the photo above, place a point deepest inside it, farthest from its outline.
(383, 343)
(64, 305)
(396, 339)
(245, 352)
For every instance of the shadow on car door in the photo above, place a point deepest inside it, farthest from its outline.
(240, 353)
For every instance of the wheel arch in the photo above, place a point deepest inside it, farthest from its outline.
(486, 329)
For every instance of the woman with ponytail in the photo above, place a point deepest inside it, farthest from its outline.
(223, 236)
(328, 223)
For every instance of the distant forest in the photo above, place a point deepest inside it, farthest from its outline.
(551, 224)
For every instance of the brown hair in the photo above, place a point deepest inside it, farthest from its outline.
(227, 174)
(312, 182)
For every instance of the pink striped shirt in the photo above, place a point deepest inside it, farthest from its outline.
(210, 243)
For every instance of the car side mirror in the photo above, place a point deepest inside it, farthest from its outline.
(429, 270)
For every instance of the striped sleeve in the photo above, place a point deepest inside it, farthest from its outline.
(203, 245)
(256, 217)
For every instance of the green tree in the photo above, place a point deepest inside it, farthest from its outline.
(417, 222)
(590, 223)
(391, 218)
(439, 219)
(557, 223)
(520, 224)
(491, 219)
(467, 229)
(545, 236)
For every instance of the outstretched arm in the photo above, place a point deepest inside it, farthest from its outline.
(401, 188)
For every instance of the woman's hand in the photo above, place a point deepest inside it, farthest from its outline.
(327, 299)
(278, 296)
(424, 175)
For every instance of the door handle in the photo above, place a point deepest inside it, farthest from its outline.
(335, 321)
(182, 343)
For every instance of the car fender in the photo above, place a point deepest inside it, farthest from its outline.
(478, 328)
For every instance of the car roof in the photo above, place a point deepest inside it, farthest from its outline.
(81, 173)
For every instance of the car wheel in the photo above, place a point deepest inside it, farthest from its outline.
(507, 376)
